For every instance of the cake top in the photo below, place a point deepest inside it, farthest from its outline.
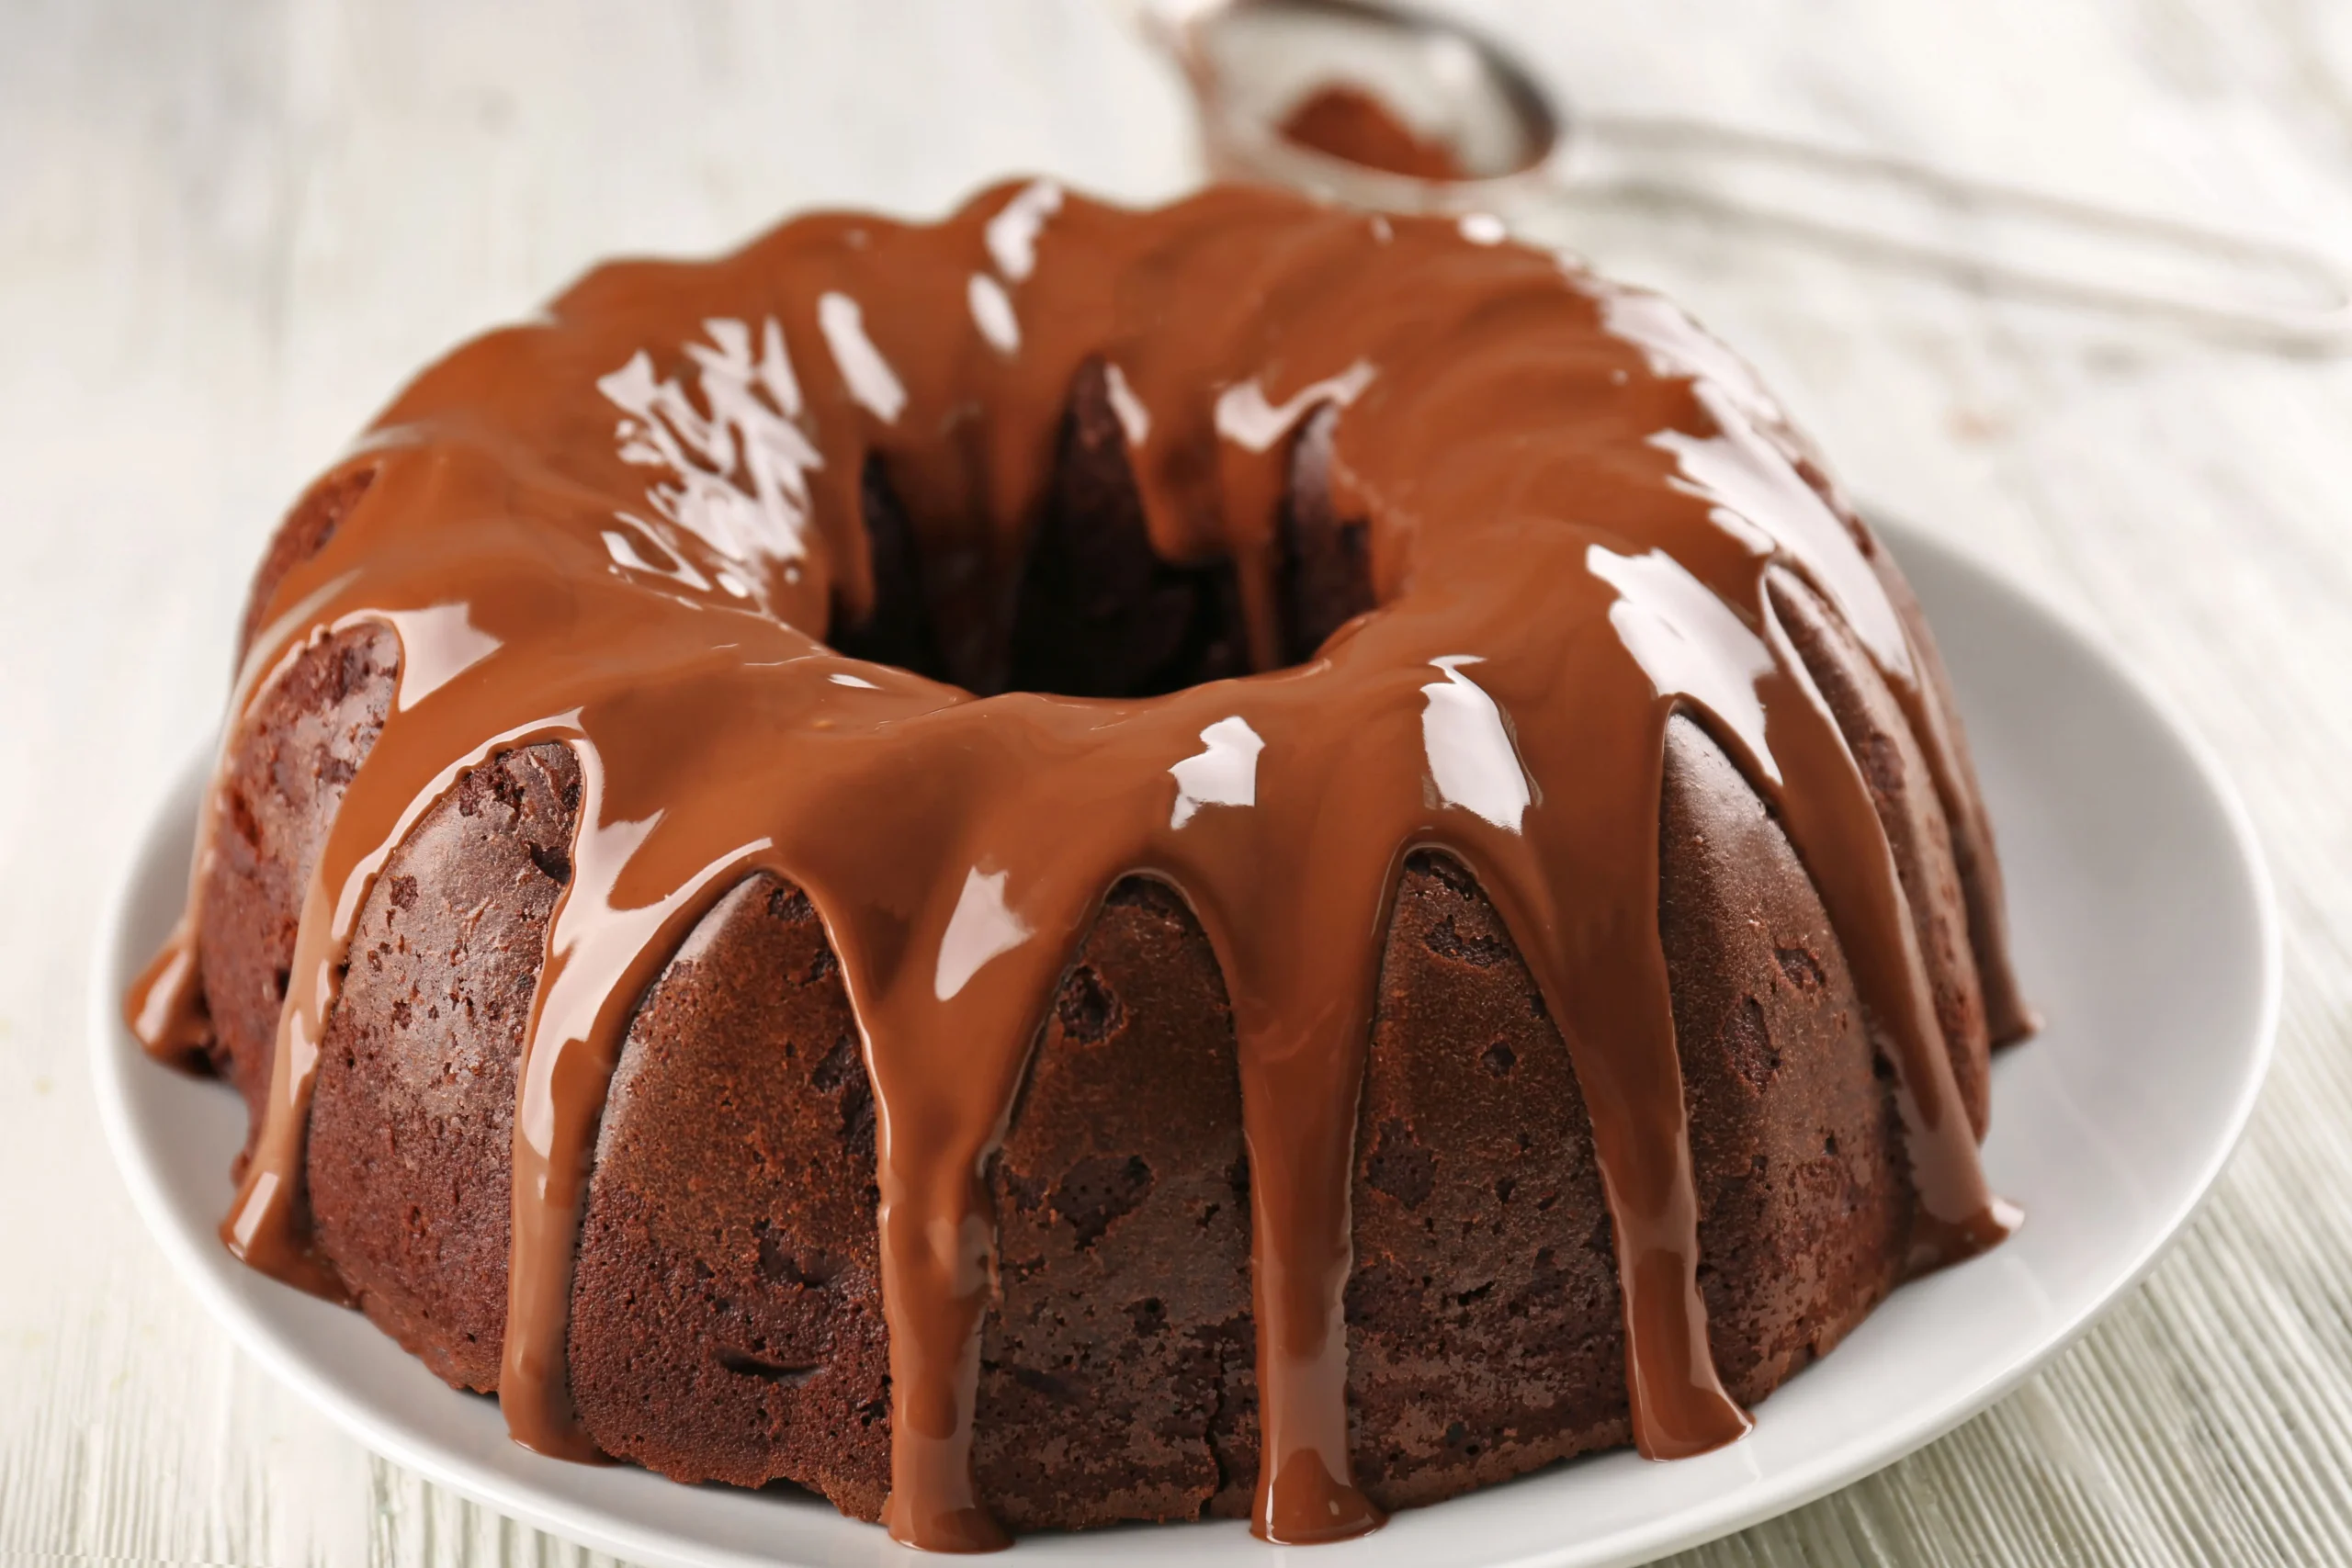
(631, 525)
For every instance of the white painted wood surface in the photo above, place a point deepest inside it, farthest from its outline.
(227, 232)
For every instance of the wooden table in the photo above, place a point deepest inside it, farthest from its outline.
(228, 230)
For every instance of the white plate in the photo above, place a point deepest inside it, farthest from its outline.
(2145, 931)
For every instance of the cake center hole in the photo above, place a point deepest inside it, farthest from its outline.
(1085, 607)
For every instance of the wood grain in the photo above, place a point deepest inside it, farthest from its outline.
(228, 230)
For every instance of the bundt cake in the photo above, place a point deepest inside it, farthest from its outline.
(1084, 865)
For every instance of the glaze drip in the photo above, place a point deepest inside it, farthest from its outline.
(631, 526)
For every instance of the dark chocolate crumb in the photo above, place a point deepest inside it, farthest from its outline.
(1099, 1190)
(1400, 1167)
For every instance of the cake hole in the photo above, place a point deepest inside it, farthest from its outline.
(553, 863)
(786, 1374)
(240, 814)
(1383, 1297)
(1042, 1383)
(1803, 969)
(1400, 1167)
(1088, 1011)
(1481, 950)
(1098, 1192)
(841, 1064)
(1089, 608)
(780, 1261)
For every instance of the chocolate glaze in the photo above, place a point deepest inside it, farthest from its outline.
(1349, 122)
(628, 527)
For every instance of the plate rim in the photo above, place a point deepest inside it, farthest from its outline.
(1706, 1519)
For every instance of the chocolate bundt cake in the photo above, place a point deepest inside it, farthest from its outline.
(1084, 865)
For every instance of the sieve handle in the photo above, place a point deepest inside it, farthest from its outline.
(1978, 233)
